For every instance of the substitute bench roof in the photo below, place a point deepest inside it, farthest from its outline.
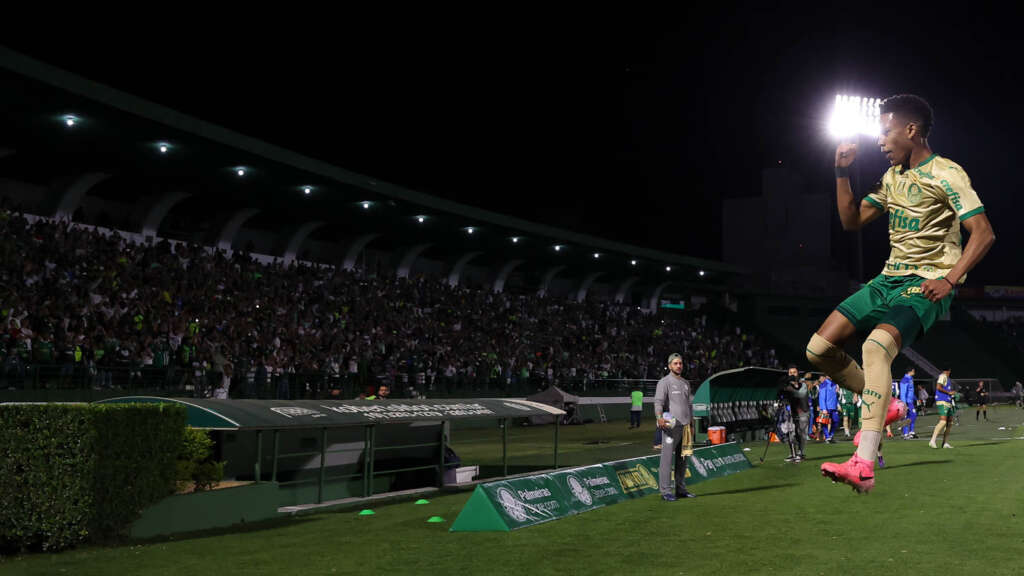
(216, 414)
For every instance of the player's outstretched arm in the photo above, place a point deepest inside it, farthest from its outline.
(982, 238)
(851, 215)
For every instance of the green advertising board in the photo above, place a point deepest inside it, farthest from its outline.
(519, 502)
(714, 462)
(515, 503)
(636, 477)
(589, 487)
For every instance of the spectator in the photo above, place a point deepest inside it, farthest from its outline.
(636, 408)
(195, 308)
(828, 404)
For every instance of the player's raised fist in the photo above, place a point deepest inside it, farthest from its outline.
(845, 154)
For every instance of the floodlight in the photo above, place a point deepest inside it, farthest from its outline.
(701, 273)
(366, 205)
(668, 268)
(163, 148)
(596, 255)
(632, 262)
(853, 116)
(558, 248)
(469, 230)
(307, 190)
(70, 120)
(515, 239)
(241, 171)
(420, 219)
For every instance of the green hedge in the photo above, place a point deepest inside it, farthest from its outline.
(72, 472)
(197, 470)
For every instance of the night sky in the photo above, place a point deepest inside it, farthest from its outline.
(626, 126)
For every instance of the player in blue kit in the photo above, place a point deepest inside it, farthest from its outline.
(907, 394)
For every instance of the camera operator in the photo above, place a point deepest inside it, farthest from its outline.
(794, 389)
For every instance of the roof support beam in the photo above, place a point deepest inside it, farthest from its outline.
(499, 282)
(157, 210)
(228, 233)
(620, 294)
(581, 294)
(355, 249)
(70, 198)
(652, 305)
(410, 256)
(296, 239)
(542, 290)
(456, 273)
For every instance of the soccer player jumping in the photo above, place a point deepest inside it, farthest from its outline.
(927, 197)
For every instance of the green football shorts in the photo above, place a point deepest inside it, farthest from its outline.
(895, 300)
(945, 408)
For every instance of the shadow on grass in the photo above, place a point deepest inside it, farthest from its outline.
(922, 463)
(816, 458)
(974, 444)
(745, 490)
(243, 528)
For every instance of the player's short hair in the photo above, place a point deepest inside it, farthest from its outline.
(912, 108)
(673, 356)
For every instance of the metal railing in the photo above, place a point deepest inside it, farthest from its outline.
(82, 382)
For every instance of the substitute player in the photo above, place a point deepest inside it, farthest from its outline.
(946, 408)
(908, 396)
(927, 198)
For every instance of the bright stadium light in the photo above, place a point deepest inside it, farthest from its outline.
(70, 120)
(420, 219)
(668, 268)
(558, 248)
(596, 255)
(366, 205)
(163, 148)
(240, 171)
(515, 239)
(701, 273)
(632, 262)
(307, 189)
(854, 116)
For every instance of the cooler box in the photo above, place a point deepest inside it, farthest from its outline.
(461, 475)
(716, 434)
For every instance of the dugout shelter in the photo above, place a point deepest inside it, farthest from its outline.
(322, 450)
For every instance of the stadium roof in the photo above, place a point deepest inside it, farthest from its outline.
(216, 414)
(114, 148)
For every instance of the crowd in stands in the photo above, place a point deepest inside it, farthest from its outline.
(99, 310)
(1012, 329)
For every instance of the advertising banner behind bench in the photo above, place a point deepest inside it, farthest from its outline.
(519, 502)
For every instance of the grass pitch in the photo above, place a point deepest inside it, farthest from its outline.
(958, 511)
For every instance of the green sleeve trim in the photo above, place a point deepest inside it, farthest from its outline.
(967, 215)
(876, 203)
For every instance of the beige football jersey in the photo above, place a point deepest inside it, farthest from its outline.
(926, 205)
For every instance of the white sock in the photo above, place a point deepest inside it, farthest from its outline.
(868, 449)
